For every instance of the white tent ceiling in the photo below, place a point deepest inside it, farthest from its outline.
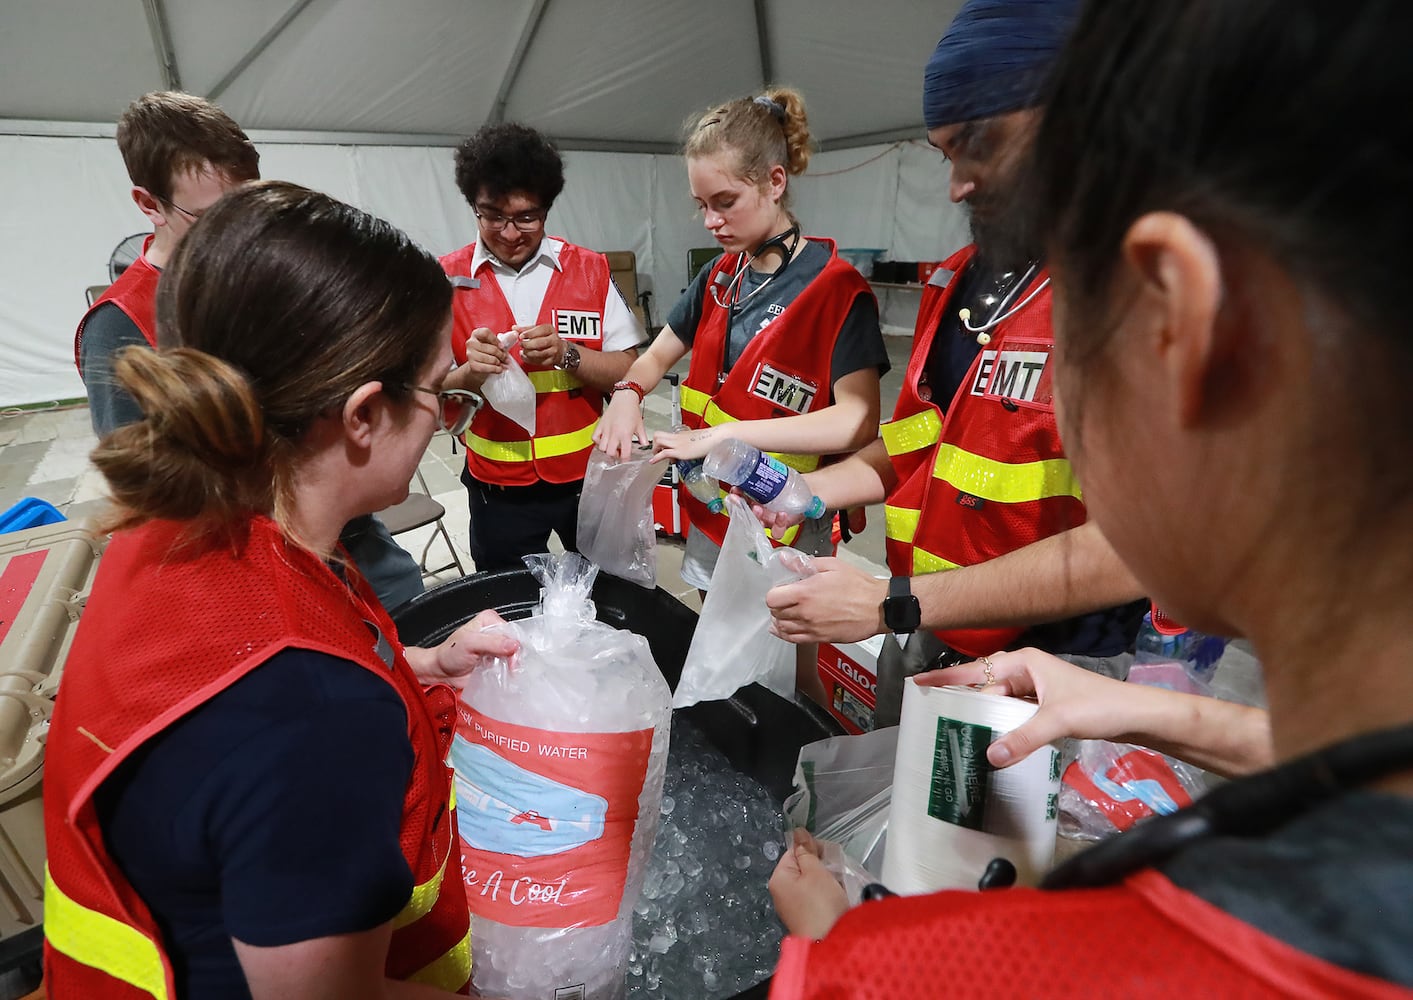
(362, 98)
(595, 74)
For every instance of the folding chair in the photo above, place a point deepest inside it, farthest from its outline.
(417, 511)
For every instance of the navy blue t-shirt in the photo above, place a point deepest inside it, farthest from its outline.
(270, 814)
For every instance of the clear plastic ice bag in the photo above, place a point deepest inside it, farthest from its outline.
(843, 787)
(559, 753)
(733, 646)
(511, 392)
(615, 527)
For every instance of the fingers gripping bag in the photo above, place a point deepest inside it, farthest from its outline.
(511, 392)
(733, 645)
(560, 753)
(615, 526)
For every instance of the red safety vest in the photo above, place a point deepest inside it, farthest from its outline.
(498, 450)
(135, 293)
(172, 622)
(784, 370)
(989, 476)
(1145, 938)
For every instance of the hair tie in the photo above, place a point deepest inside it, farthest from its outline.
(776, 109)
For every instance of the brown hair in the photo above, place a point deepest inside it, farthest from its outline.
(761, 131)
(285, 304)
(165, 134)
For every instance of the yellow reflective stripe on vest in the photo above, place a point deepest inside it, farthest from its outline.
(422, 900)
(800, 463)
(927, 562)
(900, 523)
(1003, 482)
(564, 444)
(553, 381)
(694, 401)
(921, 430)
(102, 942)
(449, 972)
(499, 451)
(550, 446)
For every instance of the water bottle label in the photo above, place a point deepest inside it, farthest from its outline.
(766, 481)
(546, 819)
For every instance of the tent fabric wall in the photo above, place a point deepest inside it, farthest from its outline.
(74, 207)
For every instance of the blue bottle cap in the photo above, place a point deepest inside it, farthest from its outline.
(815, 510)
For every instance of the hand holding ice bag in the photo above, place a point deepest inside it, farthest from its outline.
(615, 521)
(511, 391)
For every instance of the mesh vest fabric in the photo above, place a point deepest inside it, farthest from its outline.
(798, 344)
(135, 293)
(498, 450)
(989, 475)
(174, 619)
(1145, 938)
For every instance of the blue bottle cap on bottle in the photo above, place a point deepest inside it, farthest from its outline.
(815, 510)
(716, 505)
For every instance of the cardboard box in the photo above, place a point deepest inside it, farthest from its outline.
(849, 673)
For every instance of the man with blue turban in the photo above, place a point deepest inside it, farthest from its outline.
(987, 537)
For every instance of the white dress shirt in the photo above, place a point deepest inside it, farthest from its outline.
(525, 291)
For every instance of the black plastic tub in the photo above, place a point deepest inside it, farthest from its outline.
(759, 732)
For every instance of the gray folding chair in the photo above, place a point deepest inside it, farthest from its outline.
(417, 511)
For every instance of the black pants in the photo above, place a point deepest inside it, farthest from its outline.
(508, 522)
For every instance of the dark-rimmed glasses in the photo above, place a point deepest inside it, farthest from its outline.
(455, 407)
(193, 216)
(523, 222)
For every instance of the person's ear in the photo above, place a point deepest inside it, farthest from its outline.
(361, 412)
(1178, 273)
(777, 180)
(149, 205)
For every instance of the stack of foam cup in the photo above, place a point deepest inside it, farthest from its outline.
(952, 813)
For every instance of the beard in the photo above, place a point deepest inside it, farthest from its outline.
(999, 228)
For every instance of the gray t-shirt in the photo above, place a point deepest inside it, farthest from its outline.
(1336, 883)
(105, 333)
(860, 343)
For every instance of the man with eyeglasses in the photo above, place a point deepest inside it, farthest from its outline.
(182, 154)
(576, 338)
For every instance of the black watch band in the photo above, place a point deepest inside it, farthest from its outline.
(902, 613)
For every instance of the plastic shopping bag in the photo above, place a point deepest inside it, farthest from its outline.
(511, 392)
(560, 753)
(615, 529)
(843, 787)
(733, 646)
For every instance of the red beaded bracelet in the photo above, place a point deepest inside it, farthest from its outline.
(631, 385)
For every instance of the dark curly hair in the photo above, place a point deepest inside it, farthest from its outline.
(508, 157)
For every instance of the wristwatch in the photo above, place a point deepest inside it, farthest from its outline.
(901, 611)
(570, 361)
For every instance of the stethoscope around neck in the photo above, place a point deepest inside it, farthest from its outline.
(1003, 310)
(788, 242)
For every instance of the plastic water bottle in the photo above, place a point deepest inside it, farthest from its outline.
(694, 477)
(767, 481)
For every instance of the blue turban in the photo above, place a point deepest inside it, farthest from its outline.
(994, 58)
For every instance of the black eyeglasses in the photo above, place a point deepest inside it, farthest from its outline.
(193, 216)
(524, 222)
(455, 407)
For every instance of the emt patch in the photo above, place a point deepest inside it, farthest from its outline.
(580, 325)
(789, 392)
(1019, 372)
